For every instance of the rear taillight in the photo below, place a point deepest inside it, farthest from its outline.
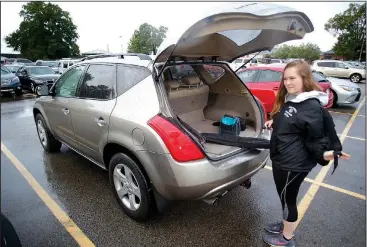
(181, 147)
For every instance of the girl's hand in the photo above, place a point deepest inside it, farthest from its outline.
(329, 155)
(268, 124)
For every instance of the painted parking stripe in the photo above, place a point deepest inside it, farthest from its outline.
(353, 137)
(61, 216)
(311, 192)
(346, 113)
(331, 187)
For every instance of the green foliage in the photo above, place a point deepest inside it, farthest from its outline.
(147, 39)
(46, 32)
(306, 51)
(350, 28)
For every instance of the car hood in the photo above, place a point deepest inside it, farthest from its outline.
(9, 76)
(45, 77)
(233, 30)
(342, 82)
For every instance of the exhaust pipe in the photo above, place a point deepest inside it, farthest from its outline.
(214, 200)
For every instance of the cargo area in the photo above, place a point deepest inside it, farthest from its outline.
(199, 106)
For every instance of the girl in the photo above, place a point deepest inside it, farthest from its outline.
(297, 123)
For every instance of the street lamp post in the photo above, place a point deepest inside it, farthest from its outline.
(122, 46)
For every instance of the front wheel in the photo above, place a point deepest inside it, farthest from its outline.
(48, 141)
(355, 78)
(131, 187)
(37, 90)
(335, 100)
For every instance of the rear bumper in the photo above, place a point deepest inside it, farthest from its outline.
(202, 179)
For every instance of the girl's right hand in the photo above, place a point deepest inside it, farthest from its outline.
(269, 124)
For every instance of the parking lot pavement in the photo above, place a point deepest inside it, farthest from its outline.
(334, 215)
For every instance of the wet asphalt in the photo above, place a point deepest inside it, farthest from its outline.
(82, 190)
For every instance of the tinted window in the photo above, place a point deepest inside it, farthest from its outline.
(99, 82)
(248, 75)
(318, 77)
(216, 72)
(326, 64)
(340, 65)
(182, 70)
(129, 76)
(270, 76)
(68, 83)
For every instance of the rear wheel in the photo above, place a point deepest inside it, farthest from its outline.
(48, 141)
(355, 78)
(131, 187)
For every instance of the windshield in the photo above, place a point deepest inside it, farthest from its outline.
(40, 71)
(318, 77)
(4, 70)
(12, 67)
(50, 63)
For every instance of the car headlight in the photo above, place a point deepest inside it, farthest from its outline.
(14, 80)
(346, 88)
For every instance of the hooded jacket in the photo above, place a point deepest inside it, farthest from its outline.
(296, 141)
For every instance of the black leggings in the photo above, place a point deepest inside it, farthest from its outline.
(288, 184)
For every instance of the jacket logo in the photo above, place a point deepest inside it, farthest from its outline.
(289, 111)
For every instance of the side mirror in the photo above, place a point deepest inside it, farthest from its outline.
(44, 90)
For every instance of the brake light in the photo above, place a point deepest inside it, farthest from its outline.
(181, 147)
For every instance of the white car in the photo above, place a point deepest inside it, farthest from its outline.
(345, 91)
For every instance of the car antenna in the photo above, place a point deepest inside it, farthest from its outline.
(247, 61)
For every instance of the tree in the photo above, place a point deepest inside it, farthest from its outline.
(147, 39)
(350, 28)
(46, 32)
(306, 51)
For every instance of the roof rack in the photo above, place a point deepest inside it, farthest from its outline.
(142, 56)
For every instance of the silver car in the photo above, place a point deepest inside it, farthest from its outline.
(143, 123)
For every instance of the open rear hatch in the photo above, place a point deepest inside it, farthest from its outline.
(222, 35)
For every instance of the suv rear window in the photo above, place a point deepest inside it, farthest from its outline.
(215, 71)
(129, 76)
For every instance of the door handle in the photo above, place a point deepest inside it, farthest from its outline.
(100, 121)
(65, 111)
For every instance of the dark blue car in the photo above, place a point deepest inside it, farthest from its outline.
(10, 82)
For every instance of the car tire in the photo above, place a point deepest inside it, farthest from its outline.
(129, 189)
(18, 92)
(48, 141)
(356, 78)
(32, 88)
(37, 90)
(335, 100)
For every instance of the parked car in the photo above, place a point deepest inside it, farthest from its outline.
(64, 64)
(33, 77)
(344, 91)
(269, 77)
(133, 119)
(10, 82)
(13, 67)
(339, 69)
(18, 61)
(52, 64)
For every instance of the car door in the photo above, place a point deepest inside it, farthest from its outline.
(59, 108)
(268, 80)
(96, 100)
(327, 68)
(341, 70)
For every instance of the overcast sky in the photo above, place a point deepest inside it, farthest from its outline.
(103, 23)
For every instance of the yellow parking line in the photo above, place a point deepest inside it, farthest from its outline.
(338, 189)
(63, 218)
(310, 194)
(346, 113)
(353, 137)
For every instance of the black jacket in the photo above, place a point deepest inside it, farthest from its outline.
(297, 142)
